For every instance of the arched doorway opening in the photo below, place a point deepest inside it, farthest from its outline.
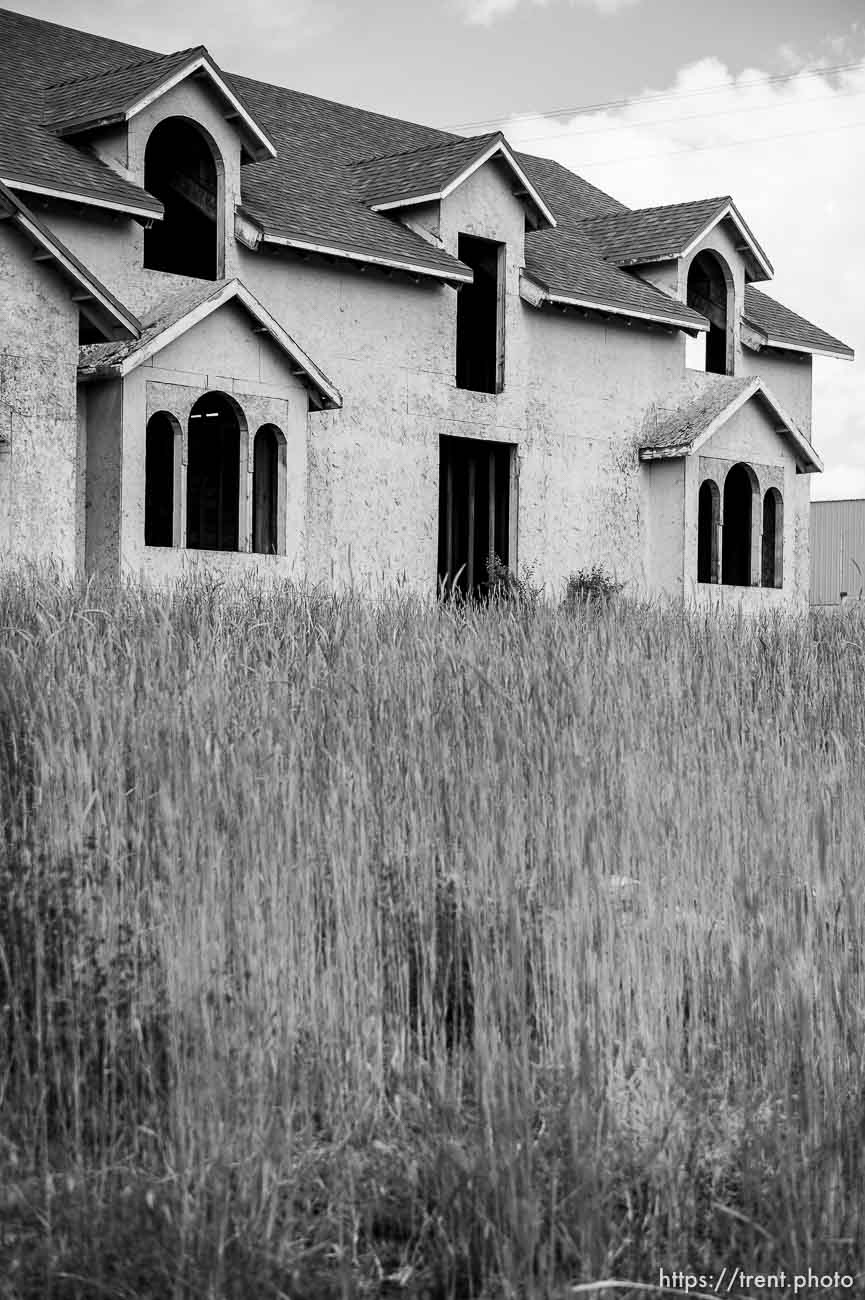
(265, 490)
(162, 430)
(708, 519)
(740, 489)
(773, 539)
(180, 169)
(710, 286)
(213, 474)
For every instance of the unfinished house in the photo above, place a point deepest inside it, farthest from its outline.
(255, 331)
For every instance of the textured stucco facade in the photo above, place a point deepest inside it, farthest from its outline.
(359, 484)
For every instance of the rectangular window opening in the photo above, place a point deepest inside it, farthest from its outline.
(476, 512)
(481, 317)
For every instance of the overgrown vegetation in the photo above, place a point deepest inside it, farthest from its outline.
(386, 948)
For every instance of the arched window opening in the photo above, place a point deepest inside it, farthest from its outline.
(181, 171)
(159, 480)
(739, 492)
(708, 527)
(773, 539)
(213, 475)
(709, 285)
(265, 490)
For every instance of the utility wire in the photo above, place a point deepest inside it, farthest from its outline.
(730, 144)
(691, 117)
(660, 97)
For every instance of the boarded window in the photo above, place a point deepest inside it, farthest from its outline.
(738, 526)
(159, 481)
(708, 522)
(179, 169)
(213, 475)
(265, 491)
(481, 317)
(773, 539)
(474, 511)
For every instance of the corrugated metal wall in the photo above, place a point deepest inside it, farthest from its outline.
(837, 551)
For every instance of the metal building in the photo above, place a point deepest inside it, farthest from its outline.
(837, 552)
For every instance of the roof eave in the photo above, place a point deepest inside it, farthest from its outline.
(539, 293)
(841, 353)
(461, 274)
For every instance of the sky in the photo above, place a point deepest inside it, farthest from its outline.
(655, 101)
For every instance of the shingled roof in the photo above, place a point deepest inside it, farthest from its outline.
(117, 94)
(685, 420)
(433, 171)
(182, 311)
(784, 329)
(657, 234)
(333, 165)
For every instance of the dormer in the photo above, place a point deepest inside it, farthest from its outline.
(173, 125)
(702, 254)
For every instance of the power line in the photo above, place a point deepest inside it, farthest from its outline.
(691, 117)
(731, 144)
(660, 97)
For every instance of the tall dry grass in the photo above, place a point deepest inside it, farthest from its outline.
(373, 947)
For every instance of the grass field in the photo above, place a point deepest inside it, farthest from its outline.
(384, 949)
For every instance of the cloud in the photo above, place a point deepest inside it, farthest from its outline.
(483, 12)
(789, 152)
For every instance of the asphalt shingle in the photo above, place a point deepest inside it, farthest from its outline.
(780, 323)
(651, 234)
(681, 418)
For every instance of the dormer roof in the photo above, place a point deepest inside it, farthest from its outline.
(431, 172)
(173, 317)
(105, 313)
(673, 231)
(686, 420)
(104, 98)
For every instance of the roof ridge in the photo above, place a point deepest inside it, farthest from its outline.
(122, 67)
(424, 148)
(664, 207)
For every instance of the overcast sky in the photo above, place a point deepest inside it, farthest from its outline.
(712, 110)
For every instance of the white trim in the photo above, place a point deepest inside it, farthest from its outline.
(233, 289)
(814, 348)
(88, 199)
(127, 320)
(732, 212)
(326, 251)
(202, 61)
(587, 304)
(496, 146)
(755, 387)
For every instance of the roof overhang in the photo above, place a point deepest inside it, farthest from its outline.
(105, 312)
(785, 427)
(323, 394)
(257, 143)
(149, 209)
(537, 294)
(252, 234)
(497, 148)
(766, 340)
(761, 267)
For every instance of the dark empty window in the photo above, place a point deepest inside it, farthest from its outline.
(773, 539)
(179, 169)
(265, 491)
(708, 519)
(159, 481)
(480, 317)
(708, 295)
(213, 475)
(474, 511)
(739, 487)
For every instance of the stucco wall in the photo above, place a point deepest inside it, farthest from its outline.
(789, 376)
(220, 354)
(749, 436)
(39, 467)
